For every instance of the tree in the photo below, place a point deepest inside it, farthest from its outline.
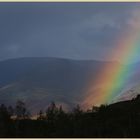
(10, 111)
(4, 121)
(21, 111)
(40, 115)
(60, 114)
(95, 109)
(102, 108)
(4, 115)
(77, 110)
(60, 110)
(51, 112)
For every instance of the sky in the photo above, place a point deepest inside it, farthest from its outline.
(67, 30)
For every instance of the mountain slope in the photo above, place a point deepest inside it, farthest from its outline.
(38, 81)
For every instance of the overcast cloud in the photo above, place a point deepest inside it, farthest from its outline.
(67, 30)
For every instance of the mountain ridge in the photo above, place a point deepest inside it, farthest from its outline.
(47, 79)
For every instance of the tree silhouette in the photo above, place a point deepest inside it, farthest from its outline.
(21, 111)
(40, 115)
(118, 120)
(51, 112)
(4, 115)
(10, 110)
(4, 120)
(95, 109)
(77, 110)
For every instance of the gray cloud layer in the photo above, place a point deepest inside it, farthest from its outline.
(69, 30)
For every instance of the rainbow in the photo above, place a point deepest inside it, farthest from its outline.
(115, 75)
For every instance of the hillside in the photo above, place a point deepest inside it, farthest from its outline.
(38, 81)
(118, 120)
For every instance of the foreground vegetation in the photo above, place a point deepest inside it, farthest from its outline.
(117, 120)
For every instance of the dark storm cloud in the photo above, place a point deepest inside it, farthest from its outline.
(69, 30)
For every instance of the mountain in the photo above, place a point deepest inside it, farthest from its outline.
(38, 81)
(129, 94)
(132, 86)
